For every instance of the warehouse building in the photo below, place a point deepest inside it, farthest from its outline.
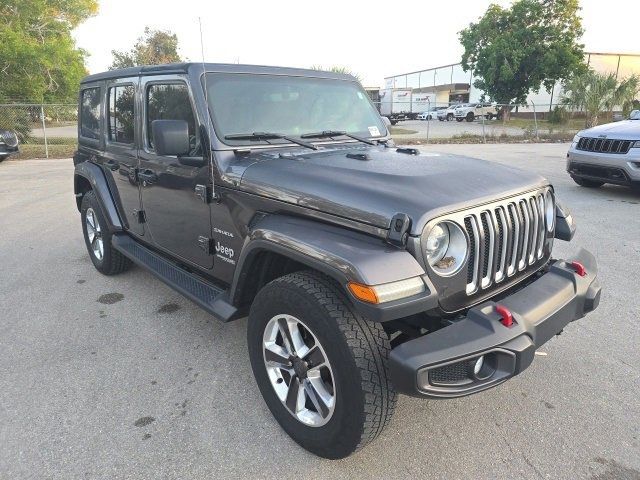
(451, 84)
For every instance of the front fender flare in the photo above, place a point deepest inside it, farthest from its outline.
(341, 254)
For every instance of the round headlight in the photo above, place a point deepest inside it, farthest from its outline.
(550, 210)
(437, 243)
(446, 248)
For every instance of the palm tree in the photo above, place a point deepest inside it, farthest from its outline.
(338, 69)
(595, 93)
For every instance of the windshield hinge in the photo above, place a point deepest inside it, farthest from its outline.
(398, 231)
(206, 244)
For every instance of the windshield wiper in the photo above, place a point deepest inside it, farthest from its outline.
(337, 133)
(269, 136)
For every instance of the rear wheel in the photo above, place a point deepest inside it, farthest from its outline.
(97, 237)
(449, 117)
(321, 369)
(583, 182)
(470, 117)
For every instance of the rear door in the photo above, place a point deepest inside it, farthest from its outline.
(120, 158)
(177, 217)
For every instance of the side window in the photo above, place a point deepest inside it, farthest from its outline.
(121, 114)
(90, 113)
(171, 102)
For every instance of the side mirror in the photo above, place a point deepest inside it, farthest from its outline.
(170, 137)
(635, 115)
(386, 121)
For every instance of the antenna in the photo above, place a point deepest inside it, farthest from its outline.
(206, 99)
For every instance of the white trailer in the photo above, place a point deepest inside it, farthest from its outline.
(399, 104)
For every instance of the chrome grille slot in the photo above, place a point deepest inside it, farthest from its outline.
(504, 239)
(599, 145)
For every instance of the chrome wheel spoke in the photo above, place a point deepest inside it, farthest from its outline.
(293, 394)
(276, 356)
(314, 357)
(319, 401)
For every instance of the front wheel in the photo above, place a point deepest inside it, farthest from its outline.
(470, 117)
(321, 368)
(449, 117)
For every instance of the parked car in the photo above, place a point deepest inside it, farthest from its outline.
(447, 113)
(472, 111)
(430, 114)
(8, 144)
(607, 153)
(366, 270)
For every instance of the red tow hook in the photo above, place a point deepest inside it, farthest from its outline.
(579, 268)
(507, 317)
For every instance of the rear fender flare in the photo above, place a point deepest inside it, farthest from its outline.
(94, 175)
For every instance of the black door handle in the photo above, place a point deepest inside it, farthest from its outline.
(112, 165)
(147, 177)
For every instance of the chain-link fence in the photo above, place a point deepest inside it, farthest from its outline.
(44, 130)
(424, 121)
(50, 131)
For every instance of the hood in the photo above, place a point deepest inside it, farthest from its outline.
(387, 182)
(624, 130)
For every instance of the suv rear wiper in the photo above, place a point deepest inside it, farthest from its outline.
(269, 136)
(337, 133)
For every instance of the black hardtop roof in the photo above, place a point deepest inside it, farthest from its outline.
(196, 67)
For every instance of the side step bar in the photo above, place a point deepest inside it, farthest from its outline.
(209, 297)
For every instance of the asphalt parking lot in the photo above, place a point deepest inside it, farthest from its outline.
(120, 377)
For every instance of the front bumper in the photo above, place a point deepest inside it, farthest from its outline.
(620, 169)
(441, 364)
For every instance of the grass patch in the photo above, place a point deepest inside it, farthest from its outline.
(29, 151)
(401, 131)
(472, 138)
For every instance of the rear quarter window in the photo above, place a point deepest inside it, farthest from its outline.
(90, 113)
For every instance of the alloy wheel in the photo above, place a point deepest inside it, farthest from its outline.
(94, 233)
(299, 370)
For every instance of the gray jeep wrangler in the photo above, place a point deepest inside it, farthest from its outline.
(365, 270)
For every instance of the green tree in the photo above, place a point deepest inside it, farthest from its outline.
(519, 49)
(596, 93)
(338, 69)
(155, 47)
(39, 60)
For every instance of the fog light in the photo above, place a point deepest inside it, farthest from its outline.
(478, 365)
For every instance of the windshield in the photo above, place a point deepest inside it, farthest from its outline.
(247, 103)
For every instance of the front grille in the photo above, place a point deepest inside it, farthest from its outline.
(504, 239)
(452, 373)
(603, 145)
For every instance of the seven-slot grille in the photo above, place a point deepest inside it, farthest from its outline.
(603, 145)
(504, 239)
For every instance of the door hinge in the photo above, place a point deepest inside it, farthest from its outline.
(140, 216)
(206, 193)
(206, 244)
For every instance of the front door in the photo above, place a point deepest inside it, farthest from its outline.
(177, 218)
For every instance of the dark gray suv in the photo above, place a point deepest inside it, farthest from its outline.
(366, 270)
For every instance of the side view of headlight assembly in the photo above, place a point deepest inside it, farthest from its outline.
(446, 248)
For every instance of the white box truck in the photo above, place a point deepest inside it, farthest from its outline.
(399, 104)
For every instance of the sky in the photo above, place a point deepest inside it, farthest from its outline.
(375, 39)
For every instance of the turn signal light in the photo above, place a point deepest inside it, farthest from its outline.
(387, 292)
(363, 292)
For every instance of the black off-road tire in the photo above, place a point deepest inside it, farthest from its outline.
(470, 117)
(449, 117)
(3, 157)
(583, 182)
(357, 350)
(112, 262)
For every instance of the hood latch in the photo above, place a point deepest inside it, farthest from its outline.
(399, 230)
